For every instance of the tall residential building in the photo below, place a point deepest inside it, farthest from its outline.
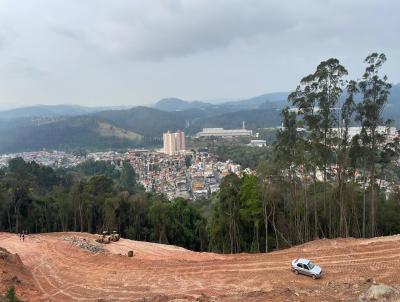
(174, 142)
(180, 140)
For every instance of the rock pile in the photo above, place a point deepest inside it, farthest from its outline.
(3, 253)
(84, 244)
(380, 292)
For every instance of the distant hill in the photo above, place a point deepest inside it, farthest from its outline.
(392, 109)
(270, 100)
(144, 120)
(175, 104)
(70, 127)
(68, 134)
(277, 100)
(48, 111)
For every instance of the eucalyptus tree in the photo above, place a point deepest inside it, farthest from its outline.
(329, 78)
(317, 98)
(224, 225)
(375, 90)
(343, 153)
(251, 210)
(288, 155)
(305, 99)
(272, 185)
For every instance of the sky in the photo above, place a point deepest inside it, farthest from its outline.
(134, 52)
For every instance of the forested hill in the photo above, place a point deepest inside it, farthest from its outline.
(66, 134)
(41, 111)
(135, 127)
(146, 121)
(56, 127)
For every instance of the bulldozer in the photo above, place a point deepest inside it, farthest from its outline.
(114, 236)
(106, 237)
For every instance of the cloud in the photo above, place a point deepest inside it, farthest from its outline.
(7, 35)
(128, 52)
(164, 29)
(22, 67)
(156, 30)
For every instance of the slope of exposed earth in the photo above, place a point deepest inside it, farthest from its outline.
(13, 273)
(64, 271)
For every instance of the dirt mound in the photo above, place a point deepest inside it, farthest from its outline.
(13, 273)
(66, 270)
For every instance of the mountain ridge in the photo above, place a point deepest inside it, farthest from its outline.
(142, 126)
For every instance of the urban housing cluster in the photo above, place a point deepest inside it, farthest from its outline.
(173, 171)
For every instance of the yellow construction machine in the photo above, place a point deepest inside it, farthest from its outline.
(106, 237)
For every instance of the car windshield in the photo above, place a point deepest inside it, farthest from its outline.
(310, 265)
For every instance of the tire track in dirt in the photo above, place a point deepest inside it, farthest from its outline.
(67, 273)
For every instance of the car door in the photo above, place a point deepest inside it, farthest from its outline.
(300, 268)
(306, 270)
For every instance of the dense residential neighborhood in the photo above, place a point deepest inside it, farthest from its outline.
(186, 174)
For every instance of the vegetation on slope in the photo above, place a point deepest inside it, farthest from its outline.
(68, 134)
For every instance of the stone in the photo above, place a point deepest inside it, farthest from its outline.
(84, 244)
(380, 292)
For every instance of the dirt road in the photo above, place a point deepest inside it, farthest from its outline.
(63, 272)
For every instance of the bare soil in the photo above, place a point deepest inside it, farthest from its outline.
(53, 269)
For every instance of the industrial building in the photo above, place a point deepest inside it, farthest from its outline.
(221, 132)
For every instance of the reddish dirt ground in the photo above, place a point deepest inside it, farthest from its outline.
(63, 272)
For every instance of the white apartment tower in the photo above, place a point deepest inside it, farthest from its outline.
(174, 142)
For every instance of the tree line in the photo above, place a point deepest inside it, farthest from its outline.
(93, 197)
(317, 181)
(321, 180)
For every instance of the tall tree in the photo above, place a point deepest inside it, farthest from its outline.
(251, 210)
(343, 154)
(287, 156)
(375, 90)
(317, 98)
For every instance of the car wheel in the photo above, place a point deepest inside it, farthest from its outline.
(314, 277)
(296, 271)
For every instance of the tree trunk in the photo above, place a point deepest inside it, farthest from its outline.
(364, 204)
(316, 233)
(373, 202)
(265, 215)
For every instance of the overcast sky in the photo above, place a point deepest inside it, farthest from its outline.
(131, 52)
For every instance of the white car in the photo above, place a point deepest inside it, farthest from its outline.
(306, 267)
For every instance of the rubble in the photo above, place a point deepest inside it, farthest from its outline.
(380, 292)
(84, 244)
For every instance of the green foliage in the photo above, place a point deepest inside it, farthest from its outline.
(67, 134)
(92, 168)
(247, 157)
(251, 212)
(128, 177)
(188, 160)
(225, 224)
(29, 201)
(11, 296)
(389, 210)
